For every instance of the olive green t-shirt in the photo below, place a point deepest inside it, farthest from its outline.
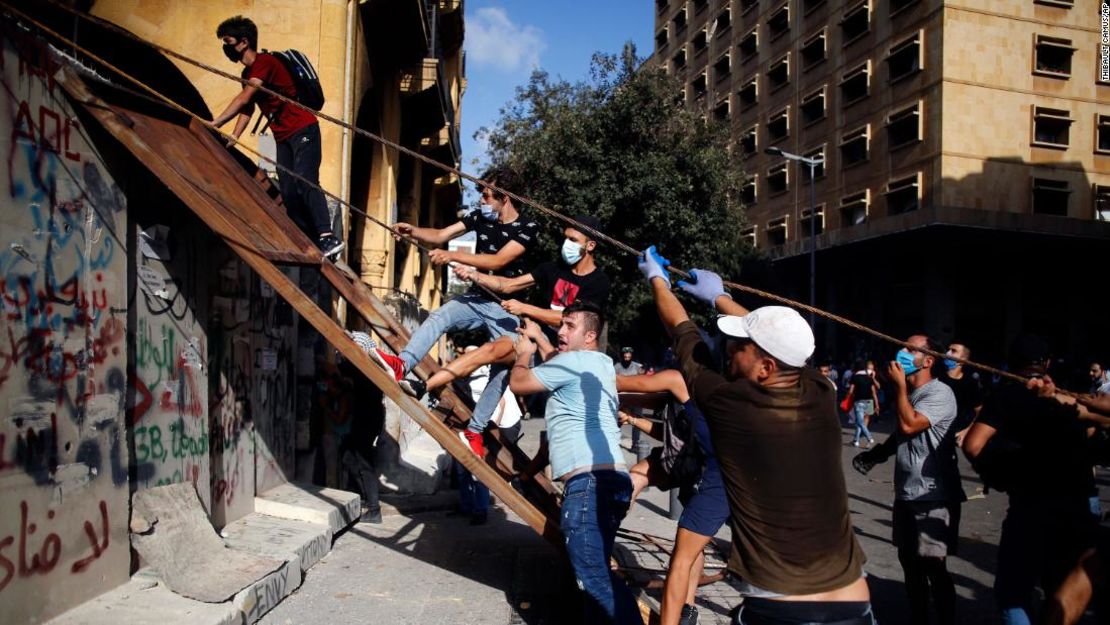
(780, 456)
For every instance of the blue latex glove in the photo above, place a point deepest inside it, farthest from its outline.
(705, 285)
(652, 265)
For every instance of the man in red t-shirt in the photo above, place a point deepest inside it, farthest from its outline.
(296, 130)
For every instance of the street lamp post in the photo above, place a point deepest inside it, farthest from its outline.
(813, 164)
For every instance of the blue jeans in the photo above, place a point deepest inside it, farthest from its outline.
(860, 409)
(593, 506)
(491, 396)
(473, 495)
(468, 311)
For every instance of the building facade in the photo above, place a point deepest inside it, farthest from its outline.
(393, 68)
(137, 349)
(973, 122)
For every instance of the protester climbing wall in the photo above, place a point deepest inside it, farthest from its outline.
(63, 327)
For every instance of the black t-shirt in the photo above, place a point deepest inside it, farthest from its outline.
(494, 235)
(968, 397)
(779, 450)
(863, 383)
(1048, 435)
(558, 286)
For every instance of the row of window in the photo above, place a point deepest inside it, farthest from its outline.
(902, 195)
(855, 22)
(1052, 129)
(904, 127)
(903, 59)
(807, 6)
(1047, 197)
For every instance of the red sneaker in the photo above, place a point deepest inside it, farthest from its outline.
(392, 364)
(474, 440)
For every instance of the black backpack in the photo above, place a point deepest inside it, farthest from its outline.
(305, 78)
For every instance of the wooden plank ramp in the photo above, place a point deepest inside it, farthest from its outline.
(189, 160)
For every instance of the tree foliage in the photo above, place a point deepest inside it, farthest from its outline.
(622, 147)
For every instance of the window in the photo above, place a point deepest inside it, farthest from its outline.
(779, 21)
(661, 5)
(903, 195)
(699, 42)
(678, 61)
(776, 231)
(819, 170)
(748, 235)
(904, 127)
(814, 50)
(813, 107)
(723, 21)
(748, 141)
(749, 93)
(699, 6)
(1053, 57)
(778, 74)
(896, 6)
(1102, 134)
(1063, 4)
(722, 68)
(661, 39)
(904, 58)
(777, 181)
(720, 112)
(818, 225)
(854, 208)
(1051, 127)
(856, 22)
(748, 5)
(698, 86)
(747, 192)
(856, 84)
(1102, 202)
(749, 45)
(809, 5)
(778, 125)
(679, 21)
(1050, 197)
(855, 146)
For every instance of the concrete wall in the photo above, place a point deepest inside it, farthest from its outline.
(63, 325)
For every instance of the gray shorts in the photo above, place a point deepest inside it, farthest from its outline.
(927, 528)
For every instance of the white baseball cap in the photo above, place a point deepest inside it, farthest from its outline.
(777, 330)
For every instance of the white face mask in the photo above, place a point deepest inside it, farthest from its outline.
(572, 252)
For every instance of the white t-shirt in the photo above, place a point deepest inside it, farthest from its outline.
(511, 415)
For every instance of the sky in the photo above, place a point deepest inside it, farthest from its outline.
(506, 39)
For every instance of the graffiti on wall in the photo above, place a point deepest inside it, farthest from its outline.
(63, 334)
(168, 405)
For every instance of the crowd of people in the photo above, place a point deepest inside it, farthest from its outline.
(755, 441)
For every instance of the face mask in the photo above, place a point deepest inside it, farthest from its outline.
(572, 252)
(231, 53)
(906, 359)
(951, 364)
(488, 212)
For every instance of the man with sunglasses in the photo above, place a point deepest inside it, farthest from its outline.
(504, 237)
(774, 426)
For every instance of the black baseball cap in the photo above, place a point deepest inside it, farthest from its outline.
(588, 221)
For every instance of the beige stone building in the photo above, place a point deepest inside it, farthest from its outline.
(928, 115)
(392, 67)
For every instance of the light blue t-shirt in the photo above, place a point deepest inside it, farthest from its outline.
(582, 428)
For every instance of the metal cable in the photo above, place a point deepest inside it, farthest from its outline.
(449, 169)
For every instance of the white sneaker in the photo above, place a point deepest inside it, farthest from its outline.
(855, 443)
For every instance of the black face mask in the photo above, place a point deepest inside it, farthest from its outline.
(231, 53)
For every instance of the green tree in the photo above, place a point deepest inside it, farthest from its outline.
(622, 147)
